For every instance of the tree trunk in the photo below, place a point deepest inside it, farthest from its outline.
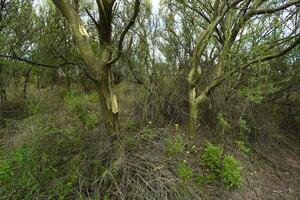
(1, 106)
(2, 103)
(193, 113)
(109, 108)
(195, 103)
(27, 76)
(108, 100)
(1, 97)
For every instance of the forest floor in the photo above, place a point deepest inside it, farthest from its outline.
(270, 171)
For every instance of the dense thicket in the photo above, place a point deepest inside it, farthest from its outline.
(95, 95)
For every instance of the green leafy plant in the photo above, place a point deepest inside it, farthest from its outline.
(205, 179)
(185, 172)
(243, 125)
(18, 172)
(231, 171)
(228, 168)
(242, 147)
(212, 157)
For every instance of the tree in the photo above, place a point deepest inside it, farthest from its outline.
(225, 22)
(99, 68)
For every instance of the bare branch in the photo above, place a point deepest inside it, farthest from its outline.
(15, 57)
(220, 80)
(277, 9)
(125, 31)
(92, 18)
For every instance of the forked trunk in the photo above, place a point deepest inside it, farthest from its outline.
(195, 103)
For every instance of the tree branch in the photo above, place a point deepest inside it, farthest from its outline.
(92, 18)
(125, 31)
(15, 57)
(273, 10)
(80, 37)
(219, 80)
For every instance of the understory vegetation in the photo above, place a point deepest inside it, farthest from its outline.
(149, 100)
(59, 154)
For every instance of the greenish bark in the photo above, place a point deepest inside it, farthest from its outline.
(98, 70)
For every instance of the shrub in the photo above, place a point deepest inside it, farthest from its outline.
(185, 172)
(243, 148)
(231, 171)
(243, 125)
(227, 168)
(18, 173)
(205, 179)
(212, 158)
(147, 133)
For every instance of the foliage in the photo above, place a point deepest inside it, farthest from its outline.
(19, 172)
(185, 172)
(51, 162)
(212, 158)
(231, 171)
(79, 105)
(242, 147)
(147, 133)
(227, 168)
(243, 125)
(240, 73)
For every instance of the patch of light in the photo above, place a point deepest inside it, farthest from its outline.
(155, 5)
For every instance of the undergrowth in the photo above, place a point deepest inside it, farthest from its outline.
(68, 155)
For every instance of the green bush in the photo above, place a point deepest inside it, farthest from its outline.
(222, 121)
(147, 133)
(212, 158)
(231, 171)
(228, 168)
(47, 165)
(185, 172)
(18, 173)
(242, 147)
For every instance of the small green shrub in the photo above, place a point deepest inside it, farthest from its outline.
(18, 173)
(185, 172)
(90, 119)
(243, 125)
(212, 158)
(174, 145)
(227, 168)
(243, 148)
(231, 171)
(48, 162)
